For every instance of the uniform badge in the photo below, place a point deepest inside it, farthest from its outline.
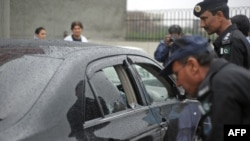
(226, 39)
(197, 8)
(225, 50)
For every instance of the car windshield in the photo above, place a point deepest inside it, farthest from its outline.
(22, 80)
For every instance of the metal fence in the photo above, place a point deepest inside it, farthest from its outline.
(153, 25)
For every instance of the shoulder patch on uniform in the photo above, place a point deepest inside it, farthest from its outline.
(226, 39)
(225, 50)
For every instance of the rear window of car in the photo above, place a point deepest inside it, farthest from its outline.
(22, 80)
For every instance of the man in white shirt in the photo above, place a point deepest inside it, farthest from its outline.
(77, 29)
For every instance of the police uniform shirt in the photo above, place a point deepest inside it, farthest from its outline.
(233, 46)
(224, 95)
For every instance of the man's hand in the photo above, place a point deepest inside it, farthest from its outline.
(167, 40)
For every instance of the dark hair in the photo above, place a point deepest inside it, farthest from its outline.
(224, 8)
(242, 23)
(38, 30)
(75, 23)
(175, 29)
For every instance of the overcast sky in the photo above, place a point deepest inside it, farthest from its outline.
(174, 4)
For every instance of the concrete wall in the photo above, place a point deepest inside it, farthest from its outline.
(101, 18)
(4, 18)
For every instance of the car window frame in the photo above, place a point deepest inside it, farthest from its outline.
(136, 59)
(153, 71)
(110, 61)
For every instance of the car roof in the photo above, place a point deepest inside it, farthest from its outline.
(14, 48)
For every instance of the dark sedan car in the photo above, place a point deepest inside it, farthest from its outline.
(68, 91)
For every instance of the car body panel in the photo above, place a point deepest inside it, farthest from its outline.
(51, 76)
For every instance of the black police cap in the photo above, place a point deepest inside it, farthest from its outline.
(184, 47)
(208, 5)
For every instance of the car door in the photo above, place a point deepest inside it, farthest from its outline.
(113, 107)
(164, 99)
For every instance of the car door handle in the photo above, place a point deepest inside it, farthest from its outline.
(164, 123)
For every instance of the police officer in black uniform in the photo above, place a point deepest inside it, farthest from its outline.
(231, 43)
(221, 87)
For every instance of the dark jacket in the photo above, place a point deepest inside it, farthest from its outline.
(233, 46)
(225, 97)
(161, 53)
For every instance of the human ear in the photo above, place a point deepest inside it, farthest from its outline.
(219, 14)
(192, 65)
